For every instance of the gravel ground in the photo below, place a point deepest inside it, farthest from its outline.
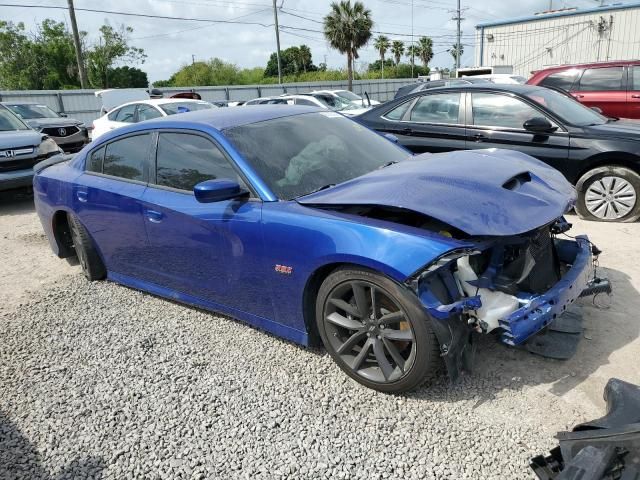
(100, 381)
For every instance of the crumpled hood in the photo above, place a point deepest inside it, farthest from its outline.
(19, 138)
(481, 192)
(51, 122)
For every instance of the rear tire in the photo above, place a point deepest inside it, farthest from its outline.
(88, 256)
(609, 194)
(376, 331)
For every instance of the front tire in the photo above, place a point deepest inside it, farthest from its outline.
(88, 257)
(609, 194)
(376, 331)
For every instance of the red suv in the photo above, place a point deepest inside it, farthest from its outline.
(613, 87)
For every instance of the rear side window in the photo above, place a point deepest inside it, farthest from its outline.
(635, 78)
(184, 160)
(147, 112)
(94, 161)
(439, 108)
(563, 80)
(601, 79)
(126, 158)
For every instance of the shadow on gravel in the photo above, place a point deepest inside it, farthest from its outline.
(19, 459)
(18, 201)
(499, 367)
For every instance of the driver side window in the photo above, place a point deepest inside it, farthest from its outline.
(491, 110)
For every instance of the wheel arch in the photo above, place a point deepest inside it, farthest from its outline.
(62, 234)
(610, 159)
(312, 287)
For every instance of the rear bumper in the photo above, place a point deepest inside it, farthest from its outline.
(541, 310)
(16, 179)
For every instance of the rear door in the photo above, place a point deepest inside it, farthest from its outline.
(495, 120)
(633, 92)
(107, 199)
(432, 122)
(603, 87)
(212, 251)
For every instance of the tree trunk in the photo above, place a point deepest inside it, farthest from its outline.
(350, 70)
(382, 65)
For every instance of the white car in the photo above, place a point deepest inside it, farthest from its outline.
(134, 112)
(347, 96)
(324, 101)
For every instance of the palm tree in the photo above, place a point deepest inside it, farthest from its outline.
(455, 54)
(305, 56)
(397, 48)
(347, 28)
(382, 44)
(425, 50)
(412, 52)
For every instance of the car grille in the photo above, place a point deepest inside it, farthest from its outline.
(20, 164)
(61, 131)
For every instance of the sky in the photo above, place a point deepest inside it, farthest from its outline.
(171, 44)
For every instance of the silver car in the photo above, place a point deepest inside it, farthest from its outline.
(69, 133)
(21, 148)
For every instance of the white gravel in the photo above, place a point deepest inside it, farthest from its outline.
(100, 381)
(120, 383)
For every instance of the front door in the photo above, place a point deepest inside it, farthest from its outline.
(211, 251)
(496, 121)
(107, 199)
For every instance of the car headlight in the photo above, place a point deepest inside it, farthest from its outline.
(48, 147)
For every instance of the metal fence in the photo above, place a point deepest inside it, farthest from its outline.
(85, 106)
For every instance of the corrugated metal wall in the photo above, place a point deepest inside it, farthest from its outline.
(576, 38)
(85, 106)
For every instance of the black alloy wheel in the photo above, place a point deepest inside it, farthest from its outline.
(376, 332)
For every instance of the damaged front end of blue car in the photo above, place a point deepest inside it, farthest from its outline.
(520, 287)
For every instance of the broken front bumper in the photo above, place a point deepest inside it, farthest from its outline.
(539, 311)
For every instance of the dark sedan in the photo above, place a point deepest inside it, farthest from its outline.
(600, 155)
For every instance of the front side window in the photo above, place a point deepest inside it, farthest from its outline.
(563, 80)
(124, 114)
(439, 108)
(183, 107)
(184, 160)
(491, 110)
(601, 79)
(304, 101)
(126, 158)
(319, 150)
(398, 112)
(635, 77)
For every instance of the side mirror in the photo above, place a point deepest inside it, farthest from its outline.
(597, 109)
(390, 137)
(539, 125)
(217, 190)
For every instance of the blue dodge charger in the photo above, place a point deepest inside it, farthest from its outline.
(308, 225)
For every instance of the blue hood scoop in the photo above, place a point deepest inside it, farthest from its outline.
(480, 192)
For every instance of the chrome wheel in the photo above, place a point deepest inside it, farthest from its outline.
(610, 198)
(369, 331)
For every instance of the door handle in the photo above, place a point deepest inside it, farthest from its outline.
(82, 196)
(406, 131)
(478, 137)
(153, 216)
(635, 96)
(578, 96)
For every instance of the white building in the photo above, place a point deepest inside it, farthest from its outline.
(576, 35)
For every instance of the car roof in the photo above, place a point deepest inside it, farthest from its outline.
(160, 101)
(225, 118)
(499, 87)
(610, 63)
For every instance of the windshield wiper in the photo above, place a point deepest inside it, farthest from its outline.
(388, 164)
(323, 187)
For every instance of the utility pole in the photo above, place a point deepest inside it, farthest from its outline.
(193, 59)
(458, 19)
(275, 16)
(412, 49)
(76, 41)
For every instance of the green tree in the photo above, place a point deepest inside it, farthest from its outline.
(112, 47)
(348, 28)
(127, 77)
(293, 61)
(455, 54)
(425, 50)
(377, 67)
(412, 52)
(397, 48)
(382, 44)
